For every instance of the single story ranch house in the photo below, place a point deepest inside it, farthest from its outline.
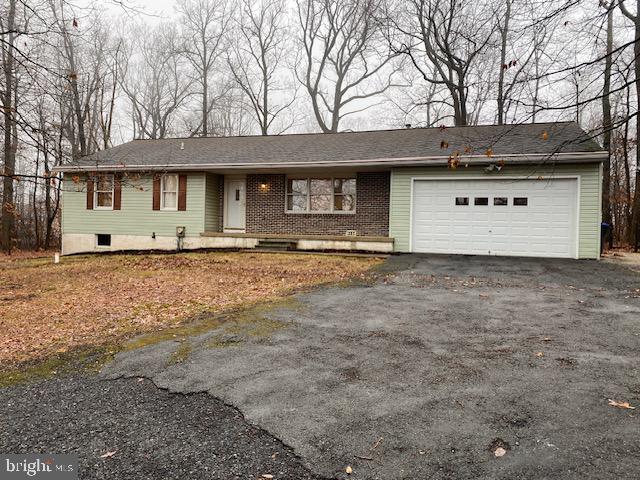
(524, 190)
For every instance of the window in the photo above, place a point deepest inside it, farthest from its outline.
(344, 194)
(500, 201)
(103, 194)
(321, 195)
(103, 240)
(297, 192)
(462, 200)
(481, 201)
(169, 192)
(520, 201)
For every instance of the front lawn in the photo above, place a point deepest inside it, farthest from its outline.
(90, 301)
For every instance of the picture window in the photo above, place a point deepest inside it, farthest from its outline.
(321, 195)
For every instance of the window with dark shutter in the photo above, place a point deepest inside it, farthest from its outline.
(156, 192)
(182, 192)
(117, 192)
(89, 193)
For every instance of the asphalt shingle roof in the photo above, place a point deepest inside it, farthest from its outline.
(524, 139)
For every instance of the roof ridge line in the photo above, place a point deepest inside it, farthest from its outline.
(446, 127)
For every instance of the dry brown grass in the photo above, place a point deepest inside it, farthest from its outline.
(48, 309)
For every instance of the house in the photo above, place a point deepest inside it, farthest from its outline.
(525, 190)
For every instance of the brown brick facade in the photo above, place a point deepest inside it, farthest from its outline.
(266, 210)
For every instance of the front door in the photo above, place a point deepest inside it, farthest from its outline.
(235, 204)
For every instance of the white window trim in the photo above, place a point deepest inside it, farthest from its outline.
(308, 211)
(162, 192)
(96, 191)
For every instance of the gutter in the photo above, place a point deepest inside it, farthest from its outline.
(555, 158)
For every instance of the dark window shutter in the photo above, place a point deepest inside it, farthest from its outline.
(117, 191)
(89, 193)
(182, 192)
(156, 192)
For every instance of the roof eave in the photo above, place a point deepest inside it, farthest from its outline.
(568, 157)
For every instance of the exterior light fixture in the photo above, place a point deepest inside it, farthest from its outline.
(263, 187)
(492, 167)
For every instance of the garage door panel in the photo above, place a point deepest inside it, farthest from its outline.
(545, 226)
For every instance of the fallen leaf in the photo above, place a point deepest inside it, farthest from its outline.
(127, 303)
(617, 404)
(266, 475)
(349, 470)
(499, 452)
(108, 454)
(547, 339)
(539, 354)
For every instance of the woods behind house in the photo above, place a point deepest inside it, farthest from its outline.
(79, 78)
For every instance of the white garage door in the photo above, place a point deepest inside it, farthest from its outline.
(536, 218)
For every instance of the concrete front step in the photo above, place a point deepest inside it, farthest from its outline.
(276, 244)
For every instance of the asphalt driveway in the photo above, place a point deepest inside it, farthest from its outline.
(424, 372)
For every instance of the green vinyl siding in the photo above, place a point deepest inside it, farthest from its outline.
(136, 216)
(589, 201)
(212, 210)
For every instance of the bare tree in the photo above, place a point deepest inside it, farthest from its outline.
(444, 39)
(9, 87)
(155, 81)
(345, 61)
(522, 42)
(417, 103)
(635, 19)
(503, 29)
(204, 26)
(68, 55)
(256, 58)
(606, 119)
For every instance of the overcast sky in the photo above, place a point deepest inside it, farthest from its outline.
(160, 8)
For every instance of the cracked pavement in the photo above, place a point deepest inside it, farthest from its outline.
(424, 372)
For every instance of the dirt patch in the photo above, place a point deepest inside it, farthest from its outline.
(49, 309)
(630, 260)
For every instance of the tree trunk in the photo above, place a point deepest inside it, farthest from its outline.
(627, 177)
(607, 123)
(8, 111)
(205, 106)
(503, 62)
(635, 219)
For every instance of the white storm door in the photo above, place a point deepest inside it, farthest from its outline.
(235, 204)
